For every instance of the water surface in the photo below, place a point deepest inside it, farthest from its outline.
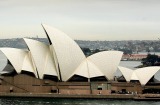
(40, 101)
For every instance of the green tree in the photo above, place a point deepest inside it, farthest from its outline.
(86, 51)
(150, 60)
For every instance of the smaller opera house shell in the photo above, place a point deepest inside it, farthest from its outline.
(62, 67)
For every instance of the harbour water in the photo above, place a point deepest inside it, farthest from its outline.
(39, 101)
(52, 101)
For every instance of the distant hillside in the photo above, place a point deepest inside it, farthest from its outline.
(18, 42)
(125, 46)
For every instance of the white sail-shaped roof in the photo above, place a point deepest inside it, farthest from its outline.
(107, 62)
(69, 54)
(134, 76)
(28, 65)
(50, 68)
(82, 70)
(126, 72)
(88, 69)
(42, 57)
(19, 59)
(53, 54)
(94, 71)
(146, 73)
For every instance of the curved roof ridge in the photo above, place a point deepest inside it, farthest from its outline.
(107, 62)
(68, 52)
(147, 72)
(17, 59)
(94, 71)
(88, 69)
(42, 57)
(81, 70)
(126, 72)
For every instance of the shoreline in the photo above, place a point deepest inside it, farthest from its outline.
(52, 95)
(137, 97)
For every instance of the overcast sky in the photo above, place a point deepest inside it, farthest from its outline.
(82, 19)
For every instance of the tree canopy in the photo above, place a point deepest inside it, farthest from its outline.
(151, 60)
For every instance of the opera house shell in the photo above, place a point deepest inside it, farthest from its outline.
(143, 75)
(61, 67)
(62, 58)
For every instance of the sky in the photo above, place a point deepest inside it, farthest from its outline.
(82, 19)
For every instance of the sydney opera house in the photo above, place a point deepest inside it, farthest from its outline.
(61, 68)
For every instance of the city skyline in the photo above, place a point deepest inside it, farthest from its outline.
(82, 19)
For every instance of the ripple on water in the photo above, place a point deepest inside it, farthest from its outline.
(40, 101)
